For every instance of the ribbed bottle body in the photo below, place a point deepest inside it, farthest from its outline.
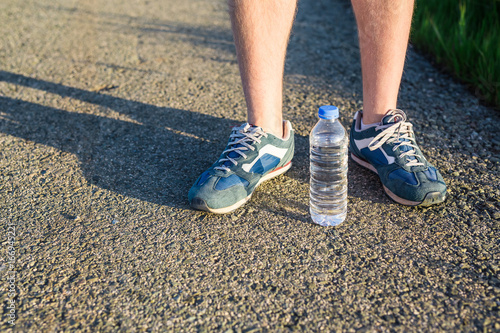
(328, 170)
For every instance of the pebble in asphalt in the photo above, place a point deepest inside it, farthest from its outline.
(109, 110)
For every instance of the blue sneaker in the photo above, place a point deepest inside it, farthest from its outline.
(390, 150)
(251, 157)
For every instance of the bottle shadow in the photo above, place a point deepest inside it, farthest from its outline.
(362, 184)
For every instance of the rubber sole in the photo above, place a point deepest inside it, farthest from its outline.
(431, 198)
(200, 204)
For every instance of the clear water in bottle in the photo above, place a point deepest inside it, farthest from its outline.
(328, 167)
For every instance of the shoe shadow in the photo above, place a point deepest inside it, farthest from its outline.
(153, 156)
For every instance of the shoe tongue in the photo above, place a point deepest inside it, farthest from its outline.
(393, 116)
(244, 128)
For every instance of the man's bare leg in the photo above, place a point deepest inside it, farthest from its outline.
(407, 177)
(384, 27)
(261, 29)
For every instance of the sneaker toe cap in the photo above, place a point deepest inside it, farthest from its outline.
(217, 193)
(417, 188)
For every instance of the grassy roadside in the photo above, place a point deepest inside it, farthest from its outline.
(463, 36)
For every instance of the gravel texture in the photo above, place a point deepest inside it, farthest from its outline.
(109, 110)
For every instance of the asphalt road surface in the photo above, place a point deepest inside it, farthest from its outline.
(109, 111)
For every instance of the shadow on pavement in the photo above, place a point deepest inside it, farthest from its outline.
(149, 157)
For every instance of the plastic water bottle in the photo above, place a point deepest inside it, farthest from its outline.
(328, 157)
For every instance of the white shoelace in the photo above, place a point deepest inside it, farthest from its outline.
(398, 134)
(241, 139)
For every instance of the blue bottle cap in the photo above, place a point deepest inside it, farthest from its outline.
(328, 112)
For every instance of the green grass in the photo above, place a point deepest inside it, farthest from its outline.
(464, 37)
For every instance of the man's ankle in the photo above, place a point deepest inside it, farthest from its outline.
(274, 129)
(374, 116)
(276, 132)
